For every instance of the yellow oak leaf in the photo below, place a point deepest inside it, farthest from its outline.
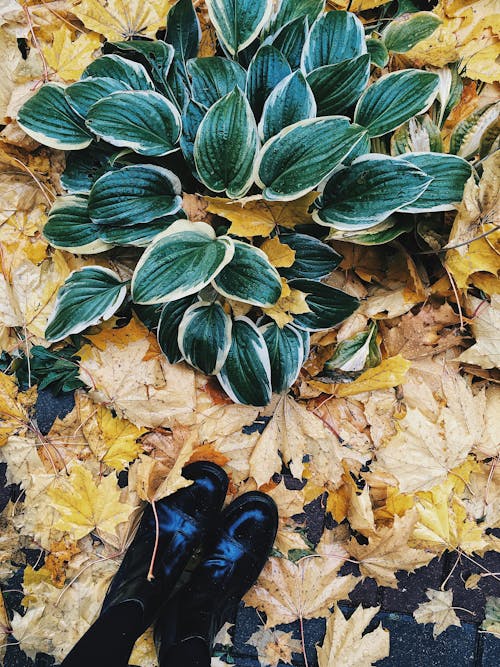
(288, 591)
(254, 216)
(13, 408)
(345, 644)
(67, 56)
(387, 551)
(279, 254)
(118, 19)
(438, 611)
(274, 646)
(291, 302)
(84, 505)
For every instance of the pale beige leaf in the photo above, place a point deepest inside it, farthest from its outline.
(274, 646)
(438, 610)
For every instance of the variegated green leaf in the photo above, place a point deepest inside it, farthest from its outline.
(214, 77)
(179, 262)
(368, 191)
(156, 56)
(286, 354)
(377, 51)
(83, 94)
(48, 118)
(334, 37)
(183, 30)
(238, 22)
(204, 336)
(356, 353)
(386, 231)
(134, 75)
(328, 306)
(290, 10)
(138, 235)
(290, 102)
(134, 195)
(337, 87)
(84, 167)
(70, 228)
(418, 134)
(394, 99)
(313, 258)
(290, 40)
(466, 137)
(168, 326)
(88, 296)
(144, 121)
(192, 116)
(267, 68)
(246, 374)
(406, 31)
(249, 277)
(296, 160)
(226, 144)
(450, 173)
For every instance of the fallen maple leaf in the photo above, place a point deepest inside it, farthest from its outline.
(345, 644)
(68, 57)
(438, 610)
(279, 254)
(118, 20)
(485, 325)
(274, 646)
(13, 408)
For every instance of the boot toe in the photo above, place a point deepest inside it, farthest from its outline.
(252, 520)
(206, 495)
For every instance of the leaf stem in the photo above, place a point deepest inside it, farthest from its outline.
(150, 576)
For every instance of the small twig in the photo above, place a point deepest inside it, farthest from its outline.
(150, 576)
(455, 291)
(443, 585)
(36, 43)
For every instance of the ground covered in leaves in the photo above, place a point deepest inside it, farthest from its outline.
(404, 458)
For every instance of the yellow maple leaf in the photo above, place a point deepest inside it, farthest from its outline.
(254, 216)
(13, 408)
(119, 19)
(291, 302)
(67, 56)
(357, 5)
(84, 505)
(346, 642)
(279, 254)
(438, 611)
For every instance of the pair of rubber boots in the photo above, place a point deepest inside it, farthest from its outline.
(236, 543)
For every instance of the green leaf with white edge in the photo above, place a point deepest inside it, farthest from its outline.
(406, 31)
(377, 51)
(306, 339)
(418, 134)
(450, 173)
(214, 77)
(334, 37)
(291, 101)
(135, 194)
(204, 336)
(267, 68)
(249, 277)
(466, 137)
(138, 235)
(337, 87)
(179, 262)
(395, 98)
(356, 353)
(116, 67)
(192, 116)
(313, 258)
(84, 167)
(246, 374)
(156, 56)
(168, 326)
(144, 121)
(238, 22)
(368, 191)
(83, 94)
(226, 145)
(69, 227)
(286, 354)
(290, 40)
(296, 160)
(183, 30)
(48, 118)
(88, 296)
(290, 10)
(386, 231)
(328, 306)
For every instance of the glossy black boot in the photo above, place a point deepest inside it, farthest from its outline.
(132, 602)
(232, 561)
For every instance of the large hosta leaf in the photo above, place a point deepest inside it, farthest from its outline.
(134, 195)
(88, 296)
(246, 374)
(368, 191)
(168, 326)
(83, 94)
(290, 10)
(313, 258)
(293, 162)
(450, 174)
(192, 116)
(183, 30)
(70, 228)
(114, 66)
(337, 87)
(267, 68)
(290, 102)
(286, 354)
(249, 277)
(290, 40)
(238, 22)
(156, 56)
(334, 37)
(214, 77)
(180, 261)
(84, 167)
(328, 306)
(138, 235)
(48, 118)
(404, 32)
(205, 336)
(226, 144)
(394, 99)
(142, 120)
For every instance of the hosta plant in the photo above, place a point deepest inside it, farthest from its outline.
(291, 115)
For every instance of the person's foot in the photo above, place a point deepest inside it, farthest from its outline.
(234, 558)
(131, 603)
